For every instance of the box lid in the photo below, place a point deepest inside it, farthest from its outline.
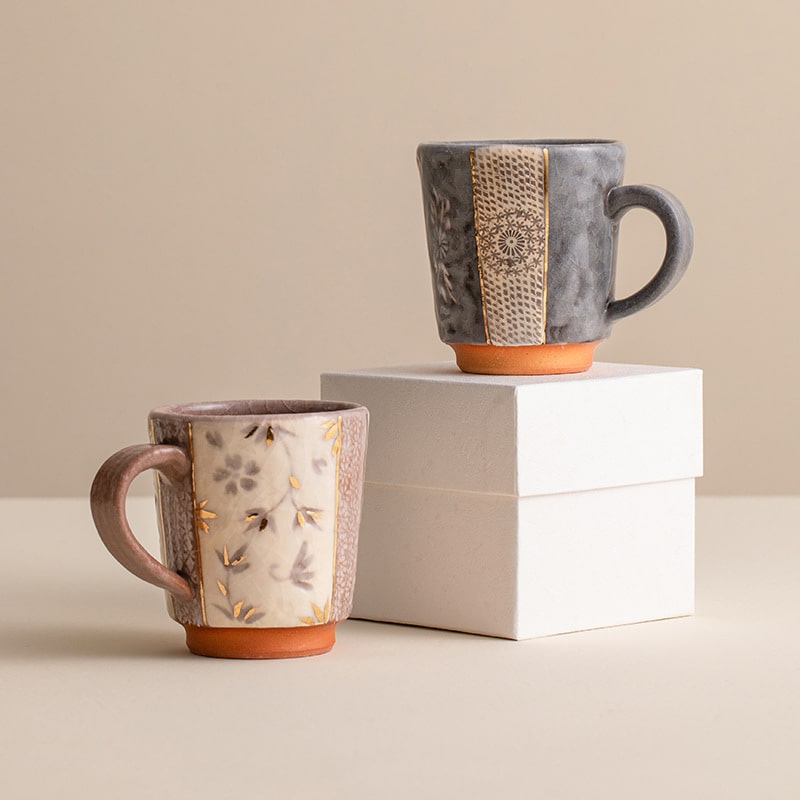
(616, 425)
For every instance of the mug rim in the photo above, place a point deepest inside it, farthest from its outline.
(525, 143)
(253, 409)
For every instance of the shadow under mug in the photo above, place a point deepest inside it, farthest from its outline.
(259, 504)
(522, 239)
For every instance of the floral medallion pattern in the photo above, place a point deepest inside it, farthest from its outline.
(516, 240)
(265, 512)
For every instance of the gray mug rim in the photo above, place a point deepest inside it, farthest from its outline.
(578, 143)
(252, 409)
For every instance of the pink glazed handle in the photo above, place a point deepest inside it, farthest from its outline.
(109, 490)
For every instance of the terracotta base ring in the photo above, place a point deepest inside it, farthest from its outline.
(536, 359)
(310, 640)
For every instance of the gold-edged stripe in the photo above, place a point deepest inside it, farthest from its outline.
(477, 242)
(336, 510)
(194, 525)
(546, 240)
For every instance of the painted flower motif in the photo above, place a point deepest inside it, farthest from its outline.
(307, 516)
(201, 514)
(321, 615)
(260, 431)
(333, 430)
(234, 563)
(301, 573)
(236, 610)
(237, 474)
(240, 611)
(257, 519)
(214, 438)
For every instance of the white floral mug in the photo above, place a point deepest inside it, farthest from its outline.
(259, 505)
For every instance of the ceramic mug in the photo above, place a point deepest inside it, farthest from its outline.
(259, 505)
(522, 238)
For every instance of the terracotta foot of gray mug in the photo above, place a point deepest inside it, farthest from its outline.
(259, 505)
(522, 238)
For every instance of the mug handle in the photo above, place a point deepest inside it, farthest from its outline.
(109, 490)
(680, 241)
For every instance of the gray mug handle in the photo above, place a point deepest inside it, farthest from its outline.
(680, 241)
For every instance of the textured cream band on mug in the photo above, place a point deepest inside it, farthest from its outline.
(259, 505)
(510, 186)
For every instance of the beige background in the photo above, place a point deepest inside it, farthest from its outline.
(217, 200)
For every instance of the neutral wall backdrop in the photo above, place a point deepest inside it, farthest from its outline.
(216, 200)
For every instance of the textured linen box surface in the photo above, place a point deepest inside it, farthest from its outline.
(527, 506)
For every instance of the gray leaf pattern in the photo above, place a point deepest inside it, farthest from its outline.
(301, 573)
(439, 217)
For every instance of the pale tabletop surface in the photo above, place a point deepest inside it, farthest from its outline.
(101, 698)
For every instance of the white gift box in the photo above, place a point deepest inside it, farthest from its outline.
(527, 506)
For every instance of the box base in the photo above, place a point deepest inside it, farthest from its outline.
(522, 567)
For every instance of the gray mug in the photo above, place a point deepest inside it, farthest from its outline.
(522, 238)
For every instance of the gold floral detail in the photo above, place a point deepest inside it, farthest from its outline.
(269, 434)
(257, 519)
(295, 483)
(329, 427)
(321, 615)
(305, 515)
(201, 514)
(333, 428)
(240, 610)
(227, 561)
